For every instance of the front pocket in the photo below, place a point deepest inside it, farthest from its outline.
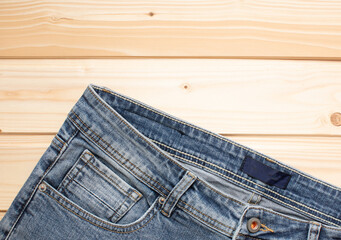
(97, 189)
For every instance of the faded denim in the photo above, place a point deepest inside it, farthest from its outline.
(121, 169)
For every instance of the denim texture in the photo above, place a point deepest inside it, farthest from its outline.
(119, 168)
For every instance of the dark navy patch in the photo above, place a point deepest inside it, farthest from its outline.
(264, 173)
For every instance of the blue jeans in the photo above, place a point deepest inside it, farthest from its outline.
(121, 169)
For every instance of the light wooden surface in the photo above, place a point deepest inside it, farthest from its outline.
(202, 61)
(236, 96)
(240, 28)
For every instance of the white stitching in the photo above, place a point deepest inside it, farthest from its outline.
(238, 176)
(217, 136)
(47, 170)
(249, 201)
(236, 144)
(259, 191)
(175, 198)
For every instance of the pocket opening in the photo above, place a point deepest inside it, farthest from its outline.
(97, 189)
(76, 210)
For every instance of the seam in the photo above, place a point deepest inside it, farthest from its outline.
(75, 175)
(58, 138)
(181, 166)
(202, 166)
(210, 224)
(240, 234)
(99, 219)
(62, 142)
(205, 215)
(249, 201)
(180, 190)
(331, 228)
(178, 193)
(223, 169)
(67, 177)
(111, 180)
(107, 177)
(102, 103)
(216, 136)
(98, 198)
(164, 212)
(232, 199)
(200, 130)
(56, 145)
(109, 146)
(223, 175)
(313, 229)
(318, 232)
(139, 195)
(95, 218)
(125, 199)
(258, 199)
(73, 135)
(58, 155)
(281, 215)
(311, 234)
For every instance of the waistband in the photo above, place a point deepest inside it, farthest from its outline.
(96, 114)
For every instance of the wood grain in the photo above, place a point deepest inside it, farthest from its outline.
(2, 214)
(211, 63)
(318, 156)
(259, 28)
(227, 96)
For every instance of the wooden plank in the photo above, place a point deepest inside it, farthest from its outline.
(289, 29)
(19, 155)
(2, 214)
(317, 156)
(231, 96)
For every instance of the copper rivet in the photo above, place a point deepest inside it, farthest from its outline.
(253, 225)
(42, 187)
(161, 200)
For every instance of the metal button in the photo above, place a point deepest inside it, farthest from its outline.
(42, 187)
(161, 200)
(253, 225)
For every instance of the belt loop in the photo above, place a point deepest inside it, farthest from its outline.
(314, 230)
(180, 188)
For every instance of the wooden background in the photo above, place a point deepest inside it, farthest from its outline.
(264, 73)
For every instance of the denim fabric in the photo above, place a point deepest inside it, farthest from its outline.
(121, 169)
